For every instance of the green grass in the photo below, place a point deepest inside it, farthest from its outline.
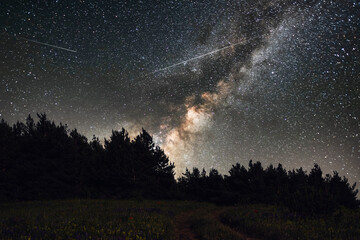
(270, 222)
(120, 219)
(90, 219)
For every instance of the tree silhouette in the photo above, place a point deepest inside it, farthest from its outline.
(42, 160)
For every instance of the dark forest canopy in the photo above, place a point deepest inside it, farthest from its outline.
(42, 160)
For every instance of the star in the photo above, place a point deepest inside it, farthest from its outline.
(215, 83)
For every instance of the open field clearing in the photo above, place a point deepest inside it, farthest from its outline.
(175, 220)
(270, 222)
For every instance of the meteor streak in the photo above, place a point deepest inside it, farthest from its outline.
(197, 57)
(50, 45)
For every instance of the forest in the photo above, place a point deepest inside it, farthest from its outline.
(45, 161)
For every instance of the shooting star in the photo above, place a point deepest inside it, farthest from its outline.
(194, 58)
(50, 45)
(197, 57)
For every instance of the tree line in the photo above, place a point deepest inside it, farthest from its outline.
(42, 160)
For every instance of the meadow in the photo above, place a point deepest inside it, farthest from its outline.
(127, 219)
(270, 222)
(89, 219)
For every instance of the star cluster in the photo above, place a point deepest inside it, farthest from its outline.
(286, 89)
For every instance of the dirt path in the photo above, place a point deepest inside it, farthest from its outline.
(182, 227)
(183, 230)
(216, 214)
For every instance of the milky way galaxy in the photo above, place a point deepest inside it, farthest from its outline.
(215, 82)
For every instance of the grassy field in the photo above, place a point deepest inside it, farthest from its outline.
(90, 219)
(269, 222)
(112, 219)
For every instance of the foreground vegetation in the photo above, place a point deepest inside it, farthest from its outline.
(90, 219)
(270, 222)
(126, 219)
(45, 161)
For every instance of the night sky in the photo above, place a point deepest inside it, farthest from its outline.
(276, 81)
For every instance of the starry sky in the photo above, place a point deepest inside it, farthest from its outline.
(215, 82)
